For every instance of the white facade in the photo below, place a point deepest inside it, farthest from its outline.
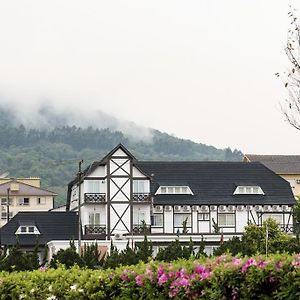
(116, 204)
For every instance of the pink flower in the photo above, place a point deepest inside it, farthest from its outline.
(278, 266)
(221, 258)
(183, 282)
(249, 262)
(236, 262)
(296, 261)
(43, 268)
(199, 269)
(139, 280)
(202, 271)
(149, 274)
(173, 292)
(171, 274)
(180, 273)
(124, 276)
(160, 271)
(262, 264)
(162, 279)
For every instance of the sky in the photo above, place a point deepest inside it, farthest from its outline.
(201, 70)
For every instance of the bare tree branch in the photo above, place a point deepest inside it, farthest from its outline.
(291, 107)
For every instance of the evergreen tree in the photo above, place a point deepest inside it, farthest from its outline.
(91, 255)
(68, 257)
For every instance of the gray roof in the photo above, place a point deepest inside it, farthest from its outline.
(51, 225)
(213, 183)
(280, 164)
(24, 190)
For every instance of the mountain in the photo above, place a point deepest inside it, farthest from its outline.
(53, 152)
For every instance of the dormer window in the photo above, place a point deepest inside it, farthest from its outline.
(27, 229)
(174, 190)
(248, 190)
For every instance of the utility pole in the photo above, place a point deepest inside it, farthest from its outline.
(7, 205)
(79, 177)
(267, 237)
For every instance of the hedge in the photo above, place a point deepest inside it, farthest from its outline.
(223, 277)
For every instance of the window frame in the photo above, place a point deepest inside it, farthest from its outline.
(154, 216)
(226, 224)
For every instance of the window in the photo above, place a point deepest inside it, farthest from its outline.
(27, 229)
(24, 201)
(157, 220)
(203, 217)
(94, 219)
(4, 201)
(277, 217)
(138, 217)
(292, 183)
(4, 215)
(180, 218)
(23, 229)
(138, 186)
(247, 189)
(226, 220)
(93, 186)
(41, 200)
(174, 190)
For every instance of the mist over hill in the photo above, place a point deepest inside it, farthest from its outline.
(48, 143)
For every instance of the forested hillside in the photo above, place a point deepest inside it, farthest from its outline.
(53, 154)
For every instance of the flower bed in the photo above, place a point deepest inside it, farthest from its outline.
(224, 277)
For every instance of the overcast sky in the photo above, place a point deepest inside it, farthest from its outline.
(202, 70)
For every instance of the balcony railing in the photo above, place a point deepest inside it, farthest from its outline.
(141, 229)
(287, 228)
(94, 197)
(141, 197)
(95, 229)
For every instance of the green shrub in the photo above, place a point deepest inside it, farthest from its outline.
(223, 277)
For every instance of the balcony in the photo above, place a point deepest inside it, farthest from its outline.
(94, 198)
(287, 228)
(141, 197)
(95, 229)
(139, 229)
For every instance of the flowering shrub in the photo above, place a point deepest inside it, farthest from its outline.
(223, 277)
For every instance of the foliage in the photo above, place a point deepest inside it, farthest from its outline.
(224, 277)
(144, 250)
(16, 260)
(254, 240)
(53, 154)
(91, 256)
(175, 250)
(68, 257)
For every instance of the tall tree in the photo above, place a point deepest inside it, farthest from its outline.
(291, 106)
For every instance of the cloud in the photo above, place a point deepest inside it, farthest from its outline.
(47, 115)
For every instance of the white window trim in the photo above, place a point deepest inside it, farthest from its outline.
(5, 213)
(35, 231)
(202, 215)
(237, 190)
(189, 191)
(227, 225)
(21, 201)
(162, 219)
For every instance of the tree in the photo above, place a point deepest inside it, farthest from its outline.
(144, 250)
(291, 107)
(69, 257)
(254, 241)
(91, 255)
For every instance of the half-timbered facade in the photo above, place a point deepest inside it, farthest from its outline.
(122, 197)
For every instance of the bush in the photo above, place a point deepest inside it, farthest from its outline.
(223, 277)
(253, 241)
